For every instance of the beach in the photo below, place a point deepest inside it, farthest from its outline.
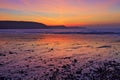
(36, 56)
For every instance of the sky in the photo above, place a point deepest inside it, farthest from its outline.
(62, 12)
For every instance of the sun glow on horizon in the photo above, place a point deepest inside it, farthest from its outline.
(62, 12)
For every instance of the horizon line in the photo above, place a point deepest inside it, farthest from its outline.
(65, 25)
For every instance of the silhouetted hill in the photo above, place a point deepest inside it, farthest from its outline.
(21, 25)
(64, 27)
(57, 27)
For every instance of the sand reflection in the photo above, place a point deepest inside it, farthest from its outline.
(53, 56)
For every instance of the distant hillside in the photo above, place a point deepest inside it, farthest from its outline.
(57, 27)
(21, 25)
(64, 27)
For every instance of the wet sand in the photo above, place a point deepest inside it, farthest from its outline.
(59, 57)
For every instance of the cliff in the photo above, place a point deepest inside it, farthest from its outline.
(21, 25)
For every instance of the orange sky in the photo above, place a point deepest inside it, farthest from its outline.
(62, 12)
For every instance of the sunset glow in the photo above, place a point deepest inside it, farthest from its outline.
(62, 12)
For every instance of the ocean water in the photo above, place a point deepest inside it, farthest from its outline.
(91, 30)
